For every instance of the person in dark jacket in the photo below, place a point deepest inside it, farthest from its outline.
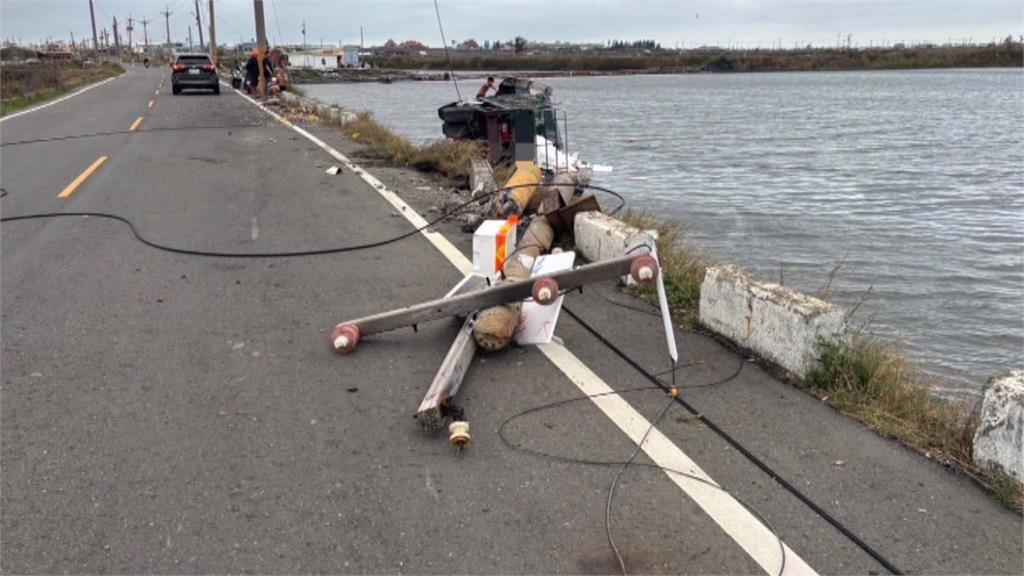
(252, 73)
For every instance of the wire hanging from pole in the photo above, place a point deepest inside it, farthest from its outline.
(447, 56)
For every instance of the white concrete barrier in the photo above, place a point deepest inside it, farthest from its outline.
(779, 324)
(602, 237)
(999, 440)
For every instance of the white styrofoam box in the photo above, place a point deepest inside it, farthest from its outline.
(999, 440)
(493, 242)
(779, 324)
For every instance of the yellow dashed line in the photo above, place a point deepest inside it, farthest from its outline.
(82, 177)
(135, 125)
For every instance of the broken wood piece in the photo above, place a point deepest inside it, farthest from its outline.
(449, 378)
(646, 270)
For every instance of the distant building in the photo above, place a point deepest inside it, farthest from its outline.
(324, 59)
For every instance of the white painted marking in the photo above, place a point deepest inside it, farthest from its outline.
(61, 99)
(255, 233)
(738, 522)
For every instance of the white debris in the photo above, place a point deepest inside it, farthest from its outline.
(333, 170)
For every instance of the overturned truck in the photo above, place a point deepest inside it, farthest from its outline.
(509, 123)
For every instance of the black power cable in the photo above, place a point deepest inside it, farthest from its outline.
(292, 254)
(877, 556)
(134, 133)
(503, 436)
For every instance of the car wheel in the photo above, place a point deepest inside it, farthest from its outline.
(175, 90)
(216, 89)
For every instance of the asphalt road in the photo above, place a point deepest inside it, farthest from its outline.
(164, 413)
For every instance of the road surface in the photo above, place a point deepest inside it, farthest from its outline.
(166, 413)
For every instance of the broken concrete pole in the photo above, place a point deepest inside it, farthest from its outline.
(999, 439)
(536, 240)
(777, 323)
(481, 178)
(601, 237)
(495, 326)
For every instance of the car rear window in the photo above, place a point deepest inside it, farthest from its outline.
(193, 60)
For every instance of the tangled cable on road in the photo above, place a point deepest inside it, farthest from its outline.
(289, 254)
(120, 132)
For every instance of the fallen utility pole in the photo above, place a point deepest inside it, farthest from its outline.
(446, 384)
(544, 290)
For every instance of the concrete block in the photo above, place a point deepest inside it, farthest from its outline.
(602, 237)
(481, 179)
(777, 323)
(999, 440)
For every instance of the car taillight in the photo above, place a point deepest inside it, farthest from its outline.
(208, 67)
(179, 67)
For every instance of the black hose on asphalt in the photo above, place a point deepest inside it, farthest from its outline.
(877, 556)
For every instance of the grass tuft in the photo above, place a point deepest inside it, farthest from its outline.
(682, 266)
(872, 381)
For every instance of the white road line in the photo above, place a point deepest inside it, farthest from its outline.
(735, 520)
(61, 99)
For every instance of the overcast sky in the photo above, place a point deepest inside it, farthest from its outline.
(670, 22)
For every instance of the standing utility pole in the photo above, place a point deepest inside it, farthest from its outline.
(73, 47)
(199, 25)
(360, 37)
(213, 36)
(189, 37)
(117, 41)
(167, 20)
(95, 38)
(145, 35)
(131, 50)
(303, 35)
(261, 44)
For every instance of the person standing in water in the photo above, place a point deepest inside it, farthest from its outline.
(489, 85)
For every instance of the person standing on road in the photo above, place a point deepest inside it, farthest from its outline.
(252, 73)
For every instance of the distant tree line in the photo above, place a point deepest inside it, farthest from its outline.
(1006, 54)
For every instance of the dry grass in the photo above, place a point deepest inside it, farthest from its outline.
(873, 382)
(23, 85)
(681, 266)
(449, 158)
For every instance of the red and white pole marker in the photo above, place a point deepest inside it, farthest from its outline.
(644, 270)
(345, 338)
(545, 291)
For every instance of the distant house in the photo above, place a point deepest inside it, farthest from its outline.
(319, 60)
(325, 59)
